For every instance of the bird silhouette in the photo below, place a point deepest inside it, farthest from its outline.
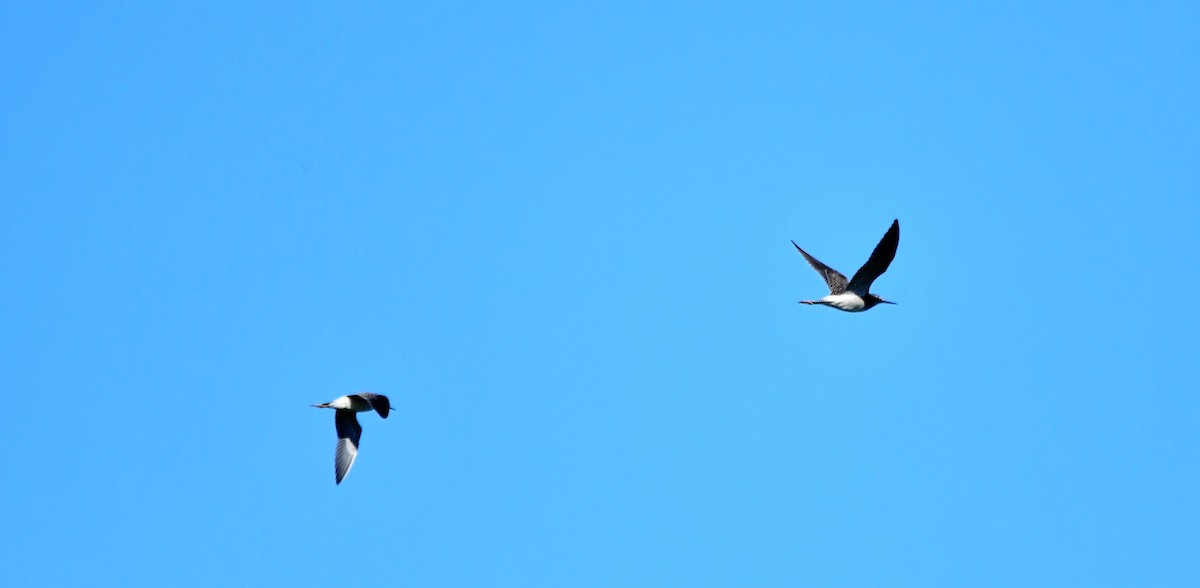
(348, 430)
(854, 295)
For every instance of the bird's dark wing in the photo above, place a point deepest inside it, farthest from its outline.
(878, 263)
(833, 278)
(349, 432)
(379, 402)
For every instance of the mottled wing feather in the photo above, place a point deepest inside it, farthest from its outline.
(878, 263)
(833, 278)
(349, 432)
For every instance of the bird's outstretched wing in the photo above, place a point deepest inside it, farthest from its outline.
(833, 278)
(349, 432)
(878, 263)
(379, 402)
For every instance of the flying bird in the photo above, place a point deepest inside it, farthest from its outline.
(348, 429)
(854, 295)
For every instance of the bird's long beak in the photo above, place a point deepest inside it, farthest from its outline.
(320, 406)
(886, 301)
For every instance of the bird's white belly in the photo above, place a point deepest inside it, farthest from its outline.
(354, 403)
(846, 301)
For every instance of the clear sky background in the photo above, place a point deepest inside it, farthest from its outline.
(557, 236)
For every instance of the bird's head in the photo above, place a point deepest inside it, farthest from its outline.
(872, 300)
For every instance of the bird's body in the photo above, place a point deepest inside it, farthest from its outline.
(348, 430)
(354, 402)
(853, 295)
(847, 301)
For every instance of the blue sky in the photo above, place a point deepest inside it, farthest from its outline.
(556, 235)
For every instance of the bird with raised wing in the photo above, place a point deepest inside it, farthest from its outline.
(348, 429)
(854, 295)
